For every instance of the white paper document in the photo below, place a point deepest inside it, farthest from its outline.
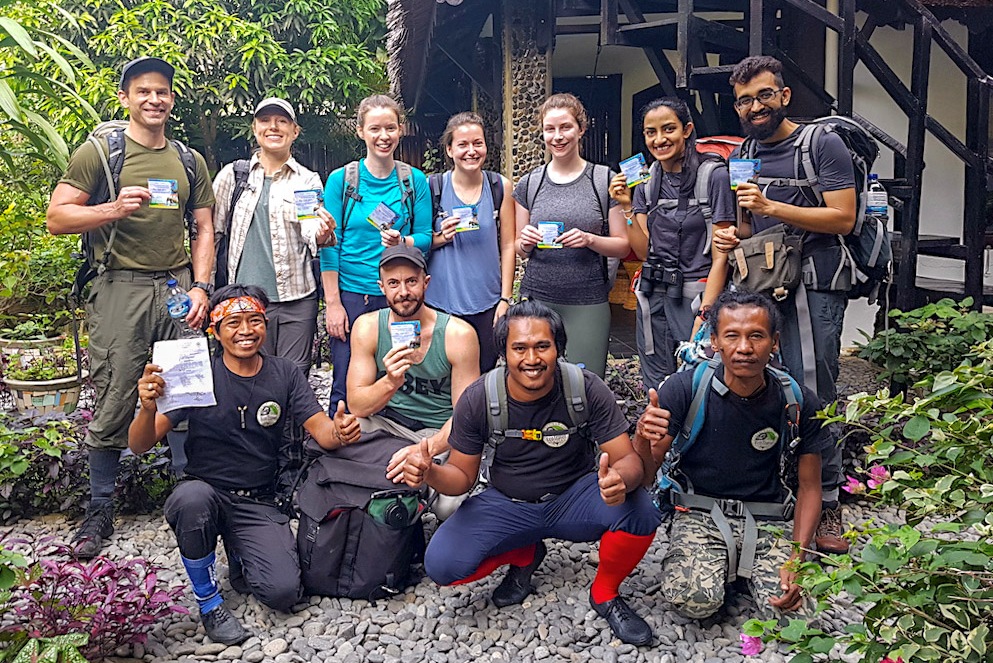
(189, 382)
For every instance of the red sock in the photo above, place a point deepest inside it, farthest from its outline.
(516, 557)
(620, 552)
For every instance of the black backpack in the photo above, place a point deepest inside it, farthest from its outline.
(108, 138)
(868, 244)
(359, 534)
(222, 237)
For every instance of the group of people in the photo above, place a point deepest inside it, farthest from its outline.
(562, 465)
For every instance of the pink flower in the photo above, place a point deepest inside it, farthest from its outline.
(878, 475)
(752, 645)
(854, 486)
(899, 659)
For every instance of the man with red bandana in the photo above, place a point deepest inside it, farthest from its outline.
(233, 450)
(545, 480)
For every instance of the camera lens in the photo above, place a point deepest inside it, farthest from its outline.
(395, 515)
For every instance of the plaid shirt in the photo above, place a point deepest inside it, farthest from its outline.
(293, 241)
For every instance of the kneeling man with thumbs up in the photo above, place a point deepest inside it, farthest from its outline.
(548, 476)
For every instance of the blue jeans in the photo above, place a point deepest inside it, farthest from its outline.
(341, 351)
(491, 523)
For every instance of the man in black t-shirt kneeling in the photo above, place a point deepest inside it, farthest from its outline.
(730, 477)
(546, 479)
(233, 451)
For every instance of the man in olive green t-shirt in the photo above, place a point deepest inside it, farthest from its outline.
(126, 307)
(405, 392)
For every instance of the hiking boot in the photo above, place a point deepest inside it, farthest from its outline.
(223, 627)
(828, 539)
(516, 585)
(624, 622)
(97, 526)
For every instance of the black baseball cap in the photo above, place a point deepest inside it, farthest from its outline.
(403, 251)
(143, 65)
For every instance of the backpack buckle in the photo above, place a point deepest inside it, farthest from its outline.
(730, 507)
(531, 435)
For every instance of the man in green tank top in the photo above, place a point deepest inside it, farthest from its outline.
(410, 364)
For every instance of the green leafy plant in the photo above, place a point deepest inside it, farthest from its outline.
(933, 338)
(36, 326)
(926, 586)
(49, 366)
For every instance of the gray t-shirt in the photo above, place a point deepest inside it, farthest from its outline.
(682, 234)
(565, 276)
(834, 172)
(256, 266)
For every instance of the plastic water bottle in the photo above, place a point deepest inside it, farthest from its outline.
(877, 201)
(178, 305)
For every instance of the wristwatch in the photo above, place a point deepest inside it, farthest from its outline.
(206, 287)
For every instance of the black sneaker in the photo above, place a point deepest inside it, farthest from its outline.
(624, 622)
(516, 585)
(223, 627)
(97, 526)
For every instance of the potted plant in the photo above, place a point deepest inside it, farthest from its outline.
(45, 382)
(30, 335)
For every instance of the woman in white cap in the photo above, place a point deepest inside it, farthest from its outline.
(273, 211)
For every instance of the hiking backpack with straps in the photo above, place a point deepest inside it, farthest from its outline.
(868, 244)
(599, 178)
(495, 386)
(714, 151)
(436, 182)
(671, 495)
(222, 238)
(109, 141)
(351, 195)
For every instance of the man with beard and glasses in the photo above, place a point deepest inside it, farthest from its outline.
(404, 392)
(547, 479)
(813, 316)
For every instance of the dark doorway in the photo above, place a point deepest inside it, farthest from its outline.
(601, 95)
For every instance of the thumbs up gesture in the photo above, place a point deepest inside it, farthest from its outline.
(347, 425)
(418, 464)
(612, 487)
(653, 424)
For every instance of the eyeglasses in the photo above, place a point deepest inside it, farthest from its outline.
(763, 97)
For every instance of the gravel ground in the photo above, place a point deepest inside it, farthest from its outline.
(431, 623)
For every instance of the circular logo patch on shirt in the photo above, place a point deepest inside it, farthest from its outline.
(555, 434)
(765, 439)
(268, 414)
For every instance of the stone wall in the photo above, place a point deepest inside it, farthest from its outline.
(526, 84)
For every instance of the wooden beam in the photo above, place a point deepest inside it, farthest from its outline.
(813, 9)
(719, 35)
(756, 26)
(977, 137)
(663, 71)
(683, 36)
(906, 278)
(846, 57)
(885, 76)
(608, 22)
(632, 11)
(470, 70)
(947, 43)
(648, 25)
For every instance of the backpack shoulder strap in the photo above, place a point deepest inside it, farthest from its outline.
(496, 192)
(190, 166)
(702, 383)
(349, 196)
(534, 187)
(574, 388)
(810, 136)
(435, 183)
(112, 162)
(241, 168)
(600, 179)
(495, 390)
(405, 174)
(701, 191)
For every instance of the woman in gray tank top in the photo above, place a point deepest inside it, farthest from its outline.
(567, 226)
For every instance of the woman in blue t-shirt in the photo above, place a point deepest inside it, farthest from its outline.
(472, 252)
(669, 229)
(378, 202)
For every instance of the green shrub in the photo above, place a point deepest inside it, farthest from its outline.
(43, 469)
(927, 587)
(933, 338)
